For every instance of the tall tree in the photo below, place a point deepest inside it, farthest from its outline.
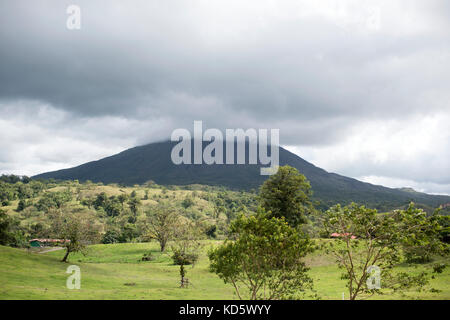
(186, 246)
(77, 227)
(134, 204)
(162, 220)
(122, 198)
(5, 235)
(287, 194)
(369, 245)
(263, 259)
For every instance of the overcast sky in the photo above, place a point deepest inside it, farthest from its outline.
(360, 88)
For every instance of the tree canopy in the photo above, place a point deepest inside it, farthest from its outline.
(367, 241)
(263, 258)
(287, 194)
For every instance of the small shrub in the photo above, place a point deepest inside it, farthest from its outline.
(180, 258)
(439, 267)
(148, 257)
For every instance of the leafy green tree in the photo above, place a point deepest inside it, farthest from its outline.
(287, 194)
(113, 207)
(186, 246)
(38, 230)
(5, 222)
(426, 239)
(129, 232)
(219, 206)
(101, 201)
(210, 231)
(187, 202)
(24, 191)
(54, 200)
(367, 241)
(21, 205)
(134, 204)
(122, 198)
(111, 236)
(162, 220)
(263, 259)
(444, 222)
(78, 228)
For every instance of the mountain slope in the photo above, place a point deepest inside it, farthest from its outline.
(152, 162)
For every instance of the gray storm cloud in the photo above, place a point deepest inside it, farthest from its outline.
(321, 72)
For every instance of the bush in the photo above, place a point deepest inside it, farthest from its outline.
(187, 202)
(180, 258)
(439, 267)
(111, 236)
(211, 231)
(148, 257)
(22, 205)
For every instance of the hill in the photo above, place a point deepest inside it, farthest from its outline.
(152, 162)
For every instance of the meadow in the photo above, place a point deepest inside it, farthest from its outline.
(115, 271)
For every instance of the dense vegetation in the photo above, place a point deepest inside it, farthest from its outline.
(121, 213)
(269, 236)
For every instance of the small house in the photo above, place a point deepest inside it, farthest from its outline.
(342, 235)
(36, 243)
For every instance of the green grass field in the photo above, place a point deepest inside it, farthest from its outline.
(115, 272)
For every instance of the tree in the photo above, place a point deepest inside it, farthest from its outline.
(134, 204)
(219, 207)
(287, 194)
(162, 220)
(5, 222)
(444, 222)
(367, 242)
(77, 227)
(54, 200)
(122, 198)
(21, 205)
(429, 241)
(265, 261)
(187, 202)
(210, 231)
(186, 246)
(11, 233)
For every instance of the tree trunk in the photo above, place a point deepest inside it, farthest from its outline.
(65, 256)
(182, 274)
(162, 243)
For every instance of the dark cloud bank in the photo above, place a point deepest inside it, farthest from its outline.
(357, 88)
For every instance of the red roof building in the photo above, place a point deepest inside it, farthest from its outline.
(342, 235)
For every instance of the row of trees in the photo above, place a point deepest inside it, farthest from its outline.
(14, 188)
(263, 257)
(163, 223)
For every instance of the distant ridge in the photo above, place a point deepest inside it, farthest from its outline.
(152, 162)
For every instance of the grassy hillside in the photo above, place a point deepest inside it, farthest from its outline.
(199, 203)
(115, 271)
